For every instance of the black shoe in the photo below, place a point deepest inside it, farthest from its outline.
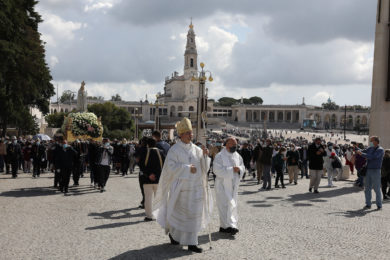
(378, 208)
(234, 231)
(310, 189)
(141, 206)
(173, 241)
(195, 249)
(283, 187)
(269, 188)
(146, 219)
(223, 230)
(367, 207)
(385, 197)
(295, 183)
(316, 191)
(277, 186)
(76, 184)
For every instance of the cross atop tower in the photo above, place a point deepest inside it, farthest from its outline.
(190, 54)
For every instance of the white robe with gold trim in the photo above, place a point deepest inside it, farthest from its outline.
(183, 201)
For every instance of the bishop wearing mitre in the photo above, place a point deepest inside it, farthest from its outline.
(183, 202)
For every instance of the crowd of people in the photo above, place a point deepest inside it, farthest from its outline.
(173, 176)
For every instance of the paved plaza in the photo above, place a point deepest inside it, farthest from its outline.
(38, 222)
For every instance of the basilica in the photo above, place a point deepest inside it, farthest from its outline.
(180, 94)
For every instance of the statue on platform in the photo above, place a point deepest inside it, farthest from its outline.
(82, 98)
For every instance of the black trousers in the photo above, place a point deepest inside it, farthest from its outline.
(93, 175)
(65, 178)
(36, 168)
(76, 172)
(14, 168)
(124, 165)
(103, 172)
(141, 185)
(57, 177)
(279, 176)
(384, 181)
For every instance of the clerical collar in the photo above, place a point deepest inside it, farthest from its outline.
(186, 146)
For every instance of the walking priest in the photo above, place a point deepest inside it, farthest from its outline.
(229, 168)
(183, 204)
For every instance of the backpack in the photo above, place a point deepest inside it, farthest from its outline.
(336, 164)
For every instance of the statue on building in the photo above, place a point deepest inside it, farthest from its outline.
(82, 98)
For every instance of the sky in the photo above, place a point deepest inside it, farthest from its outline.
(280, 50)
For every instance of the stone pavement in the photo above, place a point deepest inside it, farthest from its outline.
(38, 222)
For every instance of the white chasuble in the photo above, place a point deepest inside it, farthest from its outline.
(226, 186)
(183, 201)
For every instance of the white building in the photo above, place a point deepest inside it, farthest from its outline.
(179, 98)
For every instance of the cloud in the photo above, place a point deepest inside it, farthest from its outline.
(94, 5)
(53, 61)
(279, 50)
(55, 29)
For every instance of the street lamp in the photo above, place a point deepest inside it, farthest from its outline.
(201, 112)
(156, 114)
(136, 123)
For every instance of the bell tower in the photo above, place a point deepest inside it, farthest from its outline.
(190, 54)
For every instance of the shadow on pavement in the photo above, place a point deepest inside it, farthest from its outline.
(262, 205)
(168, 251)
(256, 201)
(116, 214)
(352, 213)
(44, 191)
(323, 194)
(163, 251)
(114, 225)
(302, 204)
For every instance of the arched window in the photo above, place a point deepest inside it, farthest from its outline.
(192, 63)
(179, 110)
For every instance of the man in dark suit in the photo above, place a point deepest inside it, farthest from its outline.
(14, 154)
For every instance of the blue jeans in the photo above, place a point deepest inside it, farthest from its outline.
(373, 181)
(266, 176)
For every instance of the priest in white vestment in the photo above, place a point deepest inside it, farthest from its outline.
(228, 168)
(183, 201)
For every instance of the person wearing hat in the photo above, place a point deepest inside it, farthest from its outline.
(182, 205)
(14, 154)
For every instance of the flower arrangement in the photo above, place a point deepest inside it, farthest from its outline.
(83, 124)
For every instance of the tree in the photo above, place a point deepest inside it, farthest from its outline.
(330, 105)
(24, 75)
(227, 101)
(67, 96)
(115, 120)
(95, 98)
(116, 98)
(256, 100)
(55, 120)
